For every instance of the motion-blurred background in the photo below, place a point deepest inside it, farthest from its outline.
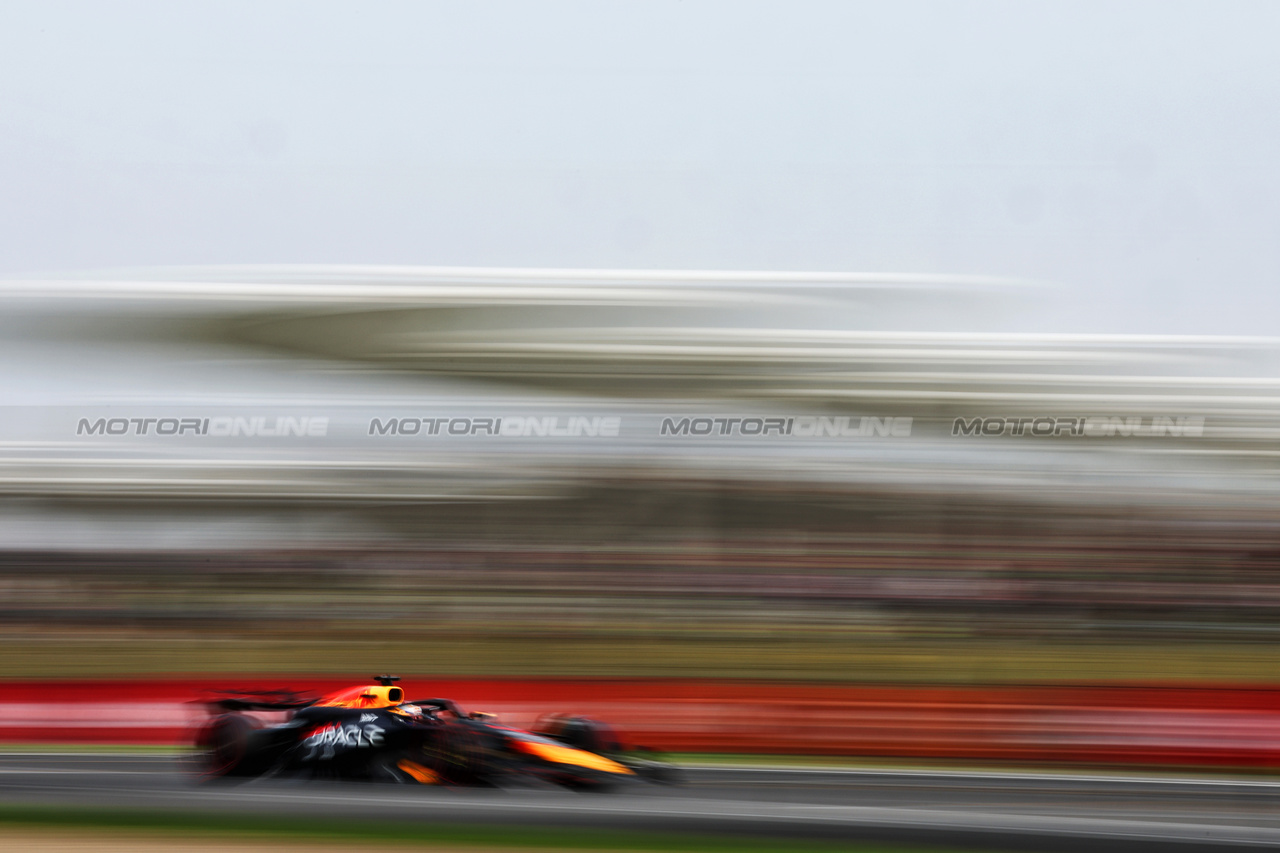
(853, 345)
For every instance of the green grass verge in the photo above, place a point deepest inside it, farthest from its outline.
(252, 827)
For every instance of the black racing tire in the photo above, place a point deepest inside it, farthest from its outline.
(586, 734)
(460, 755)
(224, 748)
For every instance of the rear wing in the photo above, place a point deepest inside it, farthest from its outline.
(258, 700)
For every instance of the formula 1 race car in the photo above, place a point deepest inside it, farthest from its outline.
(372, 733)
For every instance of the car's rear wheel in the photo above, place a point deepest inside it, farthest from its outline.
(224, 748)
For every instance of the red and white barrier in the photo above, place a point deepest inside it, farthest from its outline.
(1131, 724)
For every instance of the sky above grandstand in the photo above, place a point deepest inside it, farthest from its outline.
(1124, 152)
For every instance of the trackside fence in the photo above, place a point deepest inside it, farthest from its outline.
(1150, 724)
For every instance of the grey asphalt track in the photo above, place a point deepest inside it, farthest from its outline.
(991, 810)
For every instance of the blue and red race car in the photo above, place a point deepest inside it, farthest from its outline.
(371, 732)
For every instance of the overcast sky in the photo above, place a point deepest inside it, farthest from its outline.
(1128, 152)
